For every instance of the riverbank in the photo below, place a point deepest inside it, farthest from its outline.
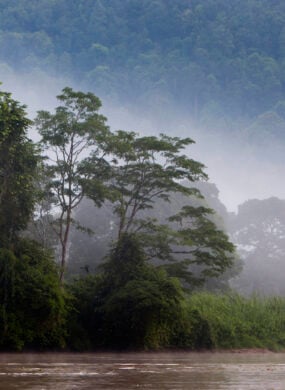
(207, 322)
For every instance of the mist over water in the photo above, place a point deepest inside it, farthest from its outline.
(240, 168)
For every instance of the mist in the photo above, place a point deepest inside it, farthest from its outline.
(241, 169)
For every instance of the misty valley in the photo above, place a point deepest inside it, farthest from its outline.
(156, 220)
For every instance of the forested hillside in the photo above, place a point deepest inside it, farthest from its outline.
(211, 58)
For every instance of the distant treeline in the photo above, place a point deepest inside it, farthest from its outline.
(212, 58)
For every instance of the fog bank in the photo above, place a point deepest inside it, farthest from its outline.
(240, 169)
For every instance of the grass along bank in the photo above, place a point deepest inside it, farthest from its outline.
(234, 321)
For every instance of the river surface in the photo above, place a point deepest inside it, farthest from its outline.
(160, 371)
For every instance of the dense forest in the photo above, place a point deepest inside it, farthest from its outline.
(116, 239)
(209, 58)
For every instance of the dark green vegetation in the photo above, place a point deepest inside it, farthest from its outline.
(18, 162)
(32, 308)
(212, 58)
(132, 304)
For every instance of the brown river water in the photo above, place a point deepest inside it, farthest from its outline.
(174, 370)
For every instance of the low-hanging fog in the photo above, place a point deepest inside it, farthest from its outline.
(241, 169)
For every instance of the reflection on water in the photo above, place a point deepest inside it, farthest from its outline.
(175, 371)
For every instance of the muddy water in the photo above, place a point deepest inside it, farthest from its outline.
(159, 371)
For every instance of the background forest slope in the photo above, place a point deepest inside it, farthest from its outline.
(211, 58)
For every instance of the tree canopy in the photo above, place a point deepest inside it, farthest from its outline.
(18, 168)
(209, 57)
(146, 170)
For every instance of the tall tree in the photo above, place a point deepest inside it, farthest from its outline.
(149, 171)
(18, 167)
(75, 138)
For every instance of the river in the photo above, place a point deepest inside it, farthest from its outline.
(160, 371)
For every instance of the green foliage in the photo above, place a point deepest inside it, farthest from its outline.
(233, 321)
(83, 324)
(150, 311)
(201, 244)
(18, 162)
(143, 312)
(148, 169)
(132, 304)
(32, 303)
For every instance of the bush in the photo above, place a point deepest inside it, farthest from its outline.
(131, 305)
(32, 303)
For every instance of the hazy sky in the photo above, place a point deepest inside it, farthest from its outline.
(238, 173)
(239, 170)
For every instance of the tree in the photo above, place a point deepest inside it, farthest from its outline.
(204, 247)
(18, 167)
(149, 171)
(75, 137)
